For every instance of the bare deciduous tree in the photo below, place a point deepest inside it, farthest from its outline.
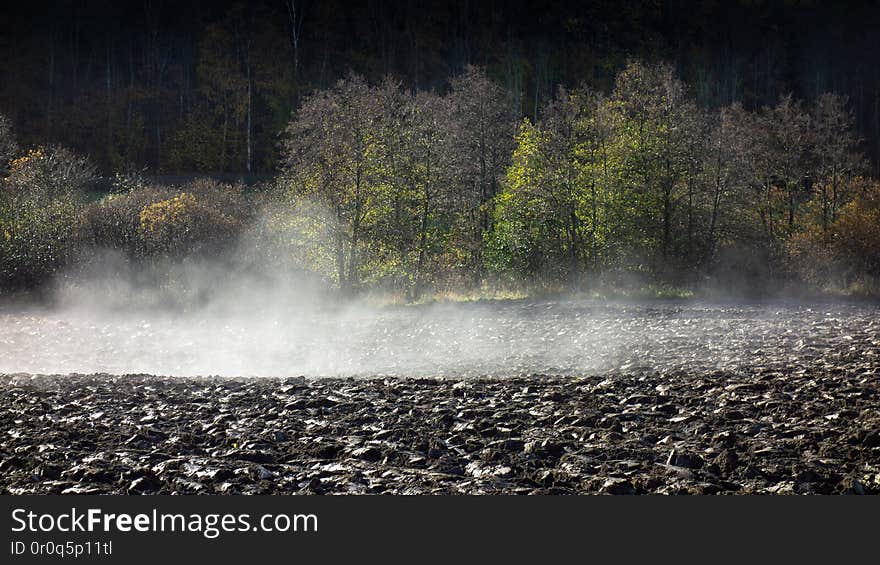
(481, 139)
(835, 156)
(326, 158)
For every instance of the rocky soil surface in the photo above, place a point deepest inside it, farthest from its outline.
(780, 427)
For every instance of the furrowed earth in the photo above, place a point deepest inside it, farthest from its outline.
(582, 398)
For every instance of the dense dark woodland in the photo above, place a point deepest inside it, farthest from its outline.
(430, 146)
(139, 82)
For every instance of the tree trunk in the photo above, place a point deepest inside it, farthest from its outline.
(225, 128)
(423, 243)
(667, 219)
(49, 103)
(713, 223)
(834, 198)
(340, 260)
(352, 280)
(690, 231)
(826, 211)
(594, 221)
(249, 164)
(573, 253)
(109, 84)
(158, 144)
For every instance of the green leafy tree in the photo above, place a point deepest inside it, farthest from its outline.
(658, 125)
(553, 213)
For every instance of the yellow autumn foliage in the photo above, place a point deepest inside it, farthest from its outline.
(192, 221)
(31, 156)
(172, 211)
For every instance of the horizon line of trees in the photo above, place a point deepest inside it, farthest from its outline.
(643, 181)
(380, 186)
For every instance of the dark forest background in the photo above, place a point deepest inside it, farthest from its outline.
(181, 87)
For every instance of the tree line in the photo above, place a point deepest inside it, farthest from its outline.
(383, 186)
(643, 181)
